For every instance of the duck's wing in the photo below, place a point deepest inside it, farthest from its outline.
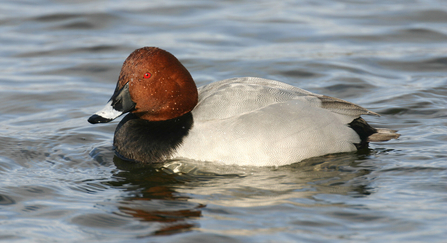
(233, 97)
(343, 107)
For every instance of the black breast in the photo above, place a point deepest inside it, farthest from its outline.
(150, 141)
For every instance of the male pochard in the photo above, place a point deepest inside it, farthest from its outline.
(242, 121)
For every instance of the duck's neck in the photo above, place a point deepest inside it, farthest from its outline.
(150, 141)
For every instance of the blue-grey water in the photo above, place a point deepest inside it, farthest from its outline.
(60, 181)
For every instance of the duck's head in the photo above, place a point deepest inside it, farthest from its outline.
(153, 85)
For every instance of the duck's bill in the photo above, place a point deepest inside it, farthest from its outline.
(107, 114)
(119, 104)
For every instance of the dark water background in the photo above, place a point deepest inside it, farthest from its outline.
(60, 182)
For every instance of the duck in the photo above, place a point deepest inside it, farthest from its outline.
(246, 121)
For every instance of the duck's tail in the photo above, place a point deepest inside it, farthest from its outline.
(383, 134)
(367, 133)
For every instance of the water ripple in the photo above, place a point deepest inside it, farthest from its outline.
(60, 180)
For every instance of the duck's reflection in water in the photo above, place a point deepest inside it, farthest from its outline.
(173, 196)
(150, 196)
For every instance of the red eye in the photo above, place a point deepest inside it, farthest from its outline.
(147, 75)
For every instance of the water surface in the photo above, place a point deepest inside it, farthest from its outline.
(60, 181)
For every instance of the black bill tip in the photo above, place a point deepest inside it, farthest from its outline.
(98, 119)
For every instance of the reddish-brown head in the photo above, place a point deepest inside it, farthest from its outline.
(159, 85)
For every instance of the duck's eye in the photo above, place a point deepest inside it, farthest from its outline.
(147, 75)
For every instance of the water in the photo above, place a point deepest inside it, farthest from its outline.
(60, 181)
